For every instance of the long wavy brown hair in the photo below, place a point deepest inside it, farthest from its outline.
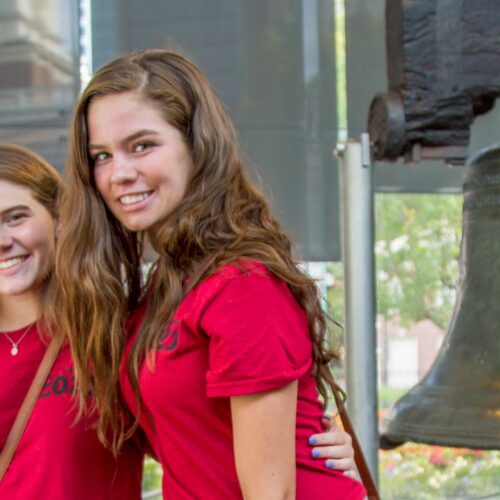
(222, 218)
(27, 169)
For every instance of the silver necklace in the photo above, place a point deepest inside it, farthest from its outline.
(15, 345)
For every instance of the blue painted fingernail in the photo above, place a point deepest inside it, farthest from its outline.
(315, 453)
(313, 440)
(330, 464)
(327, 417)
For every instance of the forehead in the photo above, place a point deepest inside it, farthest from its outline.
(12, 194)
(119, 114)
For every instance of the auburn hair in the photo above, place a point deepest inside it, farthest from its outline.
(222, 218)
(27, 169)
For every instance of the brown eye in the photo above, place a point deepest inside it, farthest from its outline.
(15, 218)
(142, 146)
(99, 157)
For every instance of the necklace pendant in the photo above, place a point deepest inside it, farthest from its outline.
(15, 349)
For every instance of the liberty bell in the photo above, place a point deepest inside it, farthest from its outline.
(458, 402)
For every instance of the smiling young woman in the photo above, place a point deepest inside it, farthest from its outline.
(26, 246)
(226, 329)
(56, 458)
(65, 459)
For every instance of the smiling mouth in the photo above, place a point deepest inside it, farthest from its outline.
(6, 264)
(131, 199)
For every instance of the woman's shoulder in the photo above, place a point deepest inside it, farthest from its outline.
(245, 281)
(244, 286)
(242, 267)
(238, 273)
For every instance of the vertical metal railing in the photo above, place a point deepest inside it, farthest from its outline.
(357, 202)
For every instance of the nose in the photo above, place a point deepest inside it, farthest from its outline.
(6, 239)
(124, 169)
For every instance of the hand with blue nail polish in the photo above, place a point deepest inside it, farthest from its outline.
(334, 445)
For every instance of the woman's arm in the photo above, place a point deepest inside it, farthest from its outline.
(264, 443)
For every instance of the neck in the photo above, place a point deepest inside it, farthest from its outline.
(19, 311)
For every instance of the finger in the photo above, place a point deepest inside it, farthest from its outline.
(335, 436)
(335, 452)
(328, 422)
(342, 464)
(351, 473)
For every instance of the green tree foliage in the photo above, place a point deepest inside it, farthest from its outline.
(151, 477)
(335, 291)
(417, 250)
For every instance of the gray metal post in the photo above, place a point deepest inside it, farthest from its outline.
(359, 272)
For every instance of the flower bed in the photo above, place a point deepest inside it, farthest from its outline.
(415, 471)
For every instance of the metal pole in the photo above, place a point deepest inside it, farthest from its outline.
(359, 272)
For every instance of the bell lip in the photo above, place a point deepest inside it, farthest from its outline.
(482, 154)
(440, 429)
(391, 440)
(437, 415)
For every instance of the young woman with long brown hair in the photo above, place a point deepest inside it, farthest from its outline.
(56, 458)
(65, 460)
(226, 329)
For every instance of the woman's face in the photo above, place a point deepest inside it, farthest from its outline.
(27, 241)
(141, 162)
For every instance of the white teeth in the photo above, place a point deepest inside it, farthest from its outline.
(11, 262)
(129, 199)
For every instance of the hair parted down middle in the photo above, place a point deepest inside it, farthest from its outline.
(223, 215)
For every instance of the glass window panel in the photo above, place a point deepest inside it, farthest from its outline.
(38, 73)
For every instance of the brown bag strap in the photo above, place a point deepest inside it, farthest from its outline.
(24, 413)
(363, 470)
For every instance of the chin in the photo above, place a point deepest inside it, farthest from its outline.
(135, 226)
(143, 223)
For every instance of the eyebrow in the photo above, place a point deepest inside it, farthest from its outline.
(13, 209)
(130, 138)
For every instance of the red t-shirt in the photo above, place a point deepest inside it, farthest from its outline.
(238, 332)
(57, 459)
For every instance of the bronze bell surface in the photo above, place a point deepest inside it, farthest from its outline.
(457, 403)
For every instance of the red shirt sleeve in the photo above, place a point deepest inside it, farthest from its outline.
(258, 334)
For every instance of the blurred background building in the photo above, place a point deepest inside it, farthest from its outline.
(39, 59)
